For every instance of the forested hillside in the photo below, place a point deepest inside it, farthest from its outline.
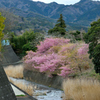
(19, 24)
(39, 14)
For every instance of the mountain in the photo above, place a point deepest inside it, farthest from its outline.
(79, 15)
(19, 24)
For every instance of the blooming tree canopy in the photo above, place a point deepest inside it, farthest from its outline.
(58, 56)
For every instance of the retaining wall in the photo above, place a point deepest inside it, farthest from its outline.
(6, 91)
(9, 55)
(42, 78)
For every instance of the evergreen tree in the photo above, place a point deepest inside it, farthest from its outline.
(59, 27)
(92, 37)
(60, 22)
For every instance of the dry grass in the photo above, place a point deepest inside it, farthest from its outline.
(81, 89)
(14, 71)
(27, 88)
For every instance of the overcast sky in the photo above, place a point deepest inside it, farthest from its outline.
(66, 2)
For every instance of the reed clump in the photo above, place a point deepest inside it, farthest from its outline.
(14, 71)
(81, 89)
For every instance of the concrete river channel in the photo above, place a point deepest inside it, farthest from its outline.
(42, 92)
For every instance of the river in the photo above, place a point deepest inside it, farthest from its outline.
(44, 92)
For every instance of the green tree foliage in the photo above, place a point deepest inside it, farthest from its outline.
(60, 22)
(77, 35)
(59, 27)
(1, 28)
(92, 37)
(25, 42)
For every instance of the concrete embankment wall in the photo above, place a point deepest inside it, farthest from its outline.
(42, 78)
(6, 91)
(9, 55)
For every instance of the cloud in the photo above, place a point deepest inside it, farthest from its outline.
(59, 1)
(66, 2)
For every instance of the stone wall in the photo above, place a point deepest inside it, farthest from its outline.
(42, 78)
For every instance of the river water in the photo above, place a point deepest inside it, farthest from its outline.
(44, 92)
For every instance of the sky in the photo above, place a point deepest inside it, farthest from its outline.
(66, 2)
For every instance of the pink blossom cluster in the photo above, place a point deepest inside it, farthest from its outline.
(65, 71)
(83, 50)
(29, 55)
(49, 61)
(50, 42)
(70, 48)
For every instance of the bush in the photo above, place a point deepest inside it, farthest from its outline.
(58, 56)
(50, 42)
(25, 42)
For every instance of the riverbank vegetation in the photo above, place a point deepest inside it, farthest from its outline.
(14, 71)
(27, 88)
(81, 89)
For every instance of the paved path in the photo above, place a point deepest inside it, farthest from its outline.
(16, 91)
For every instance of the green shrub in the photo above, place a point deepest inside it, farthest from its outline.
(25, 42)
